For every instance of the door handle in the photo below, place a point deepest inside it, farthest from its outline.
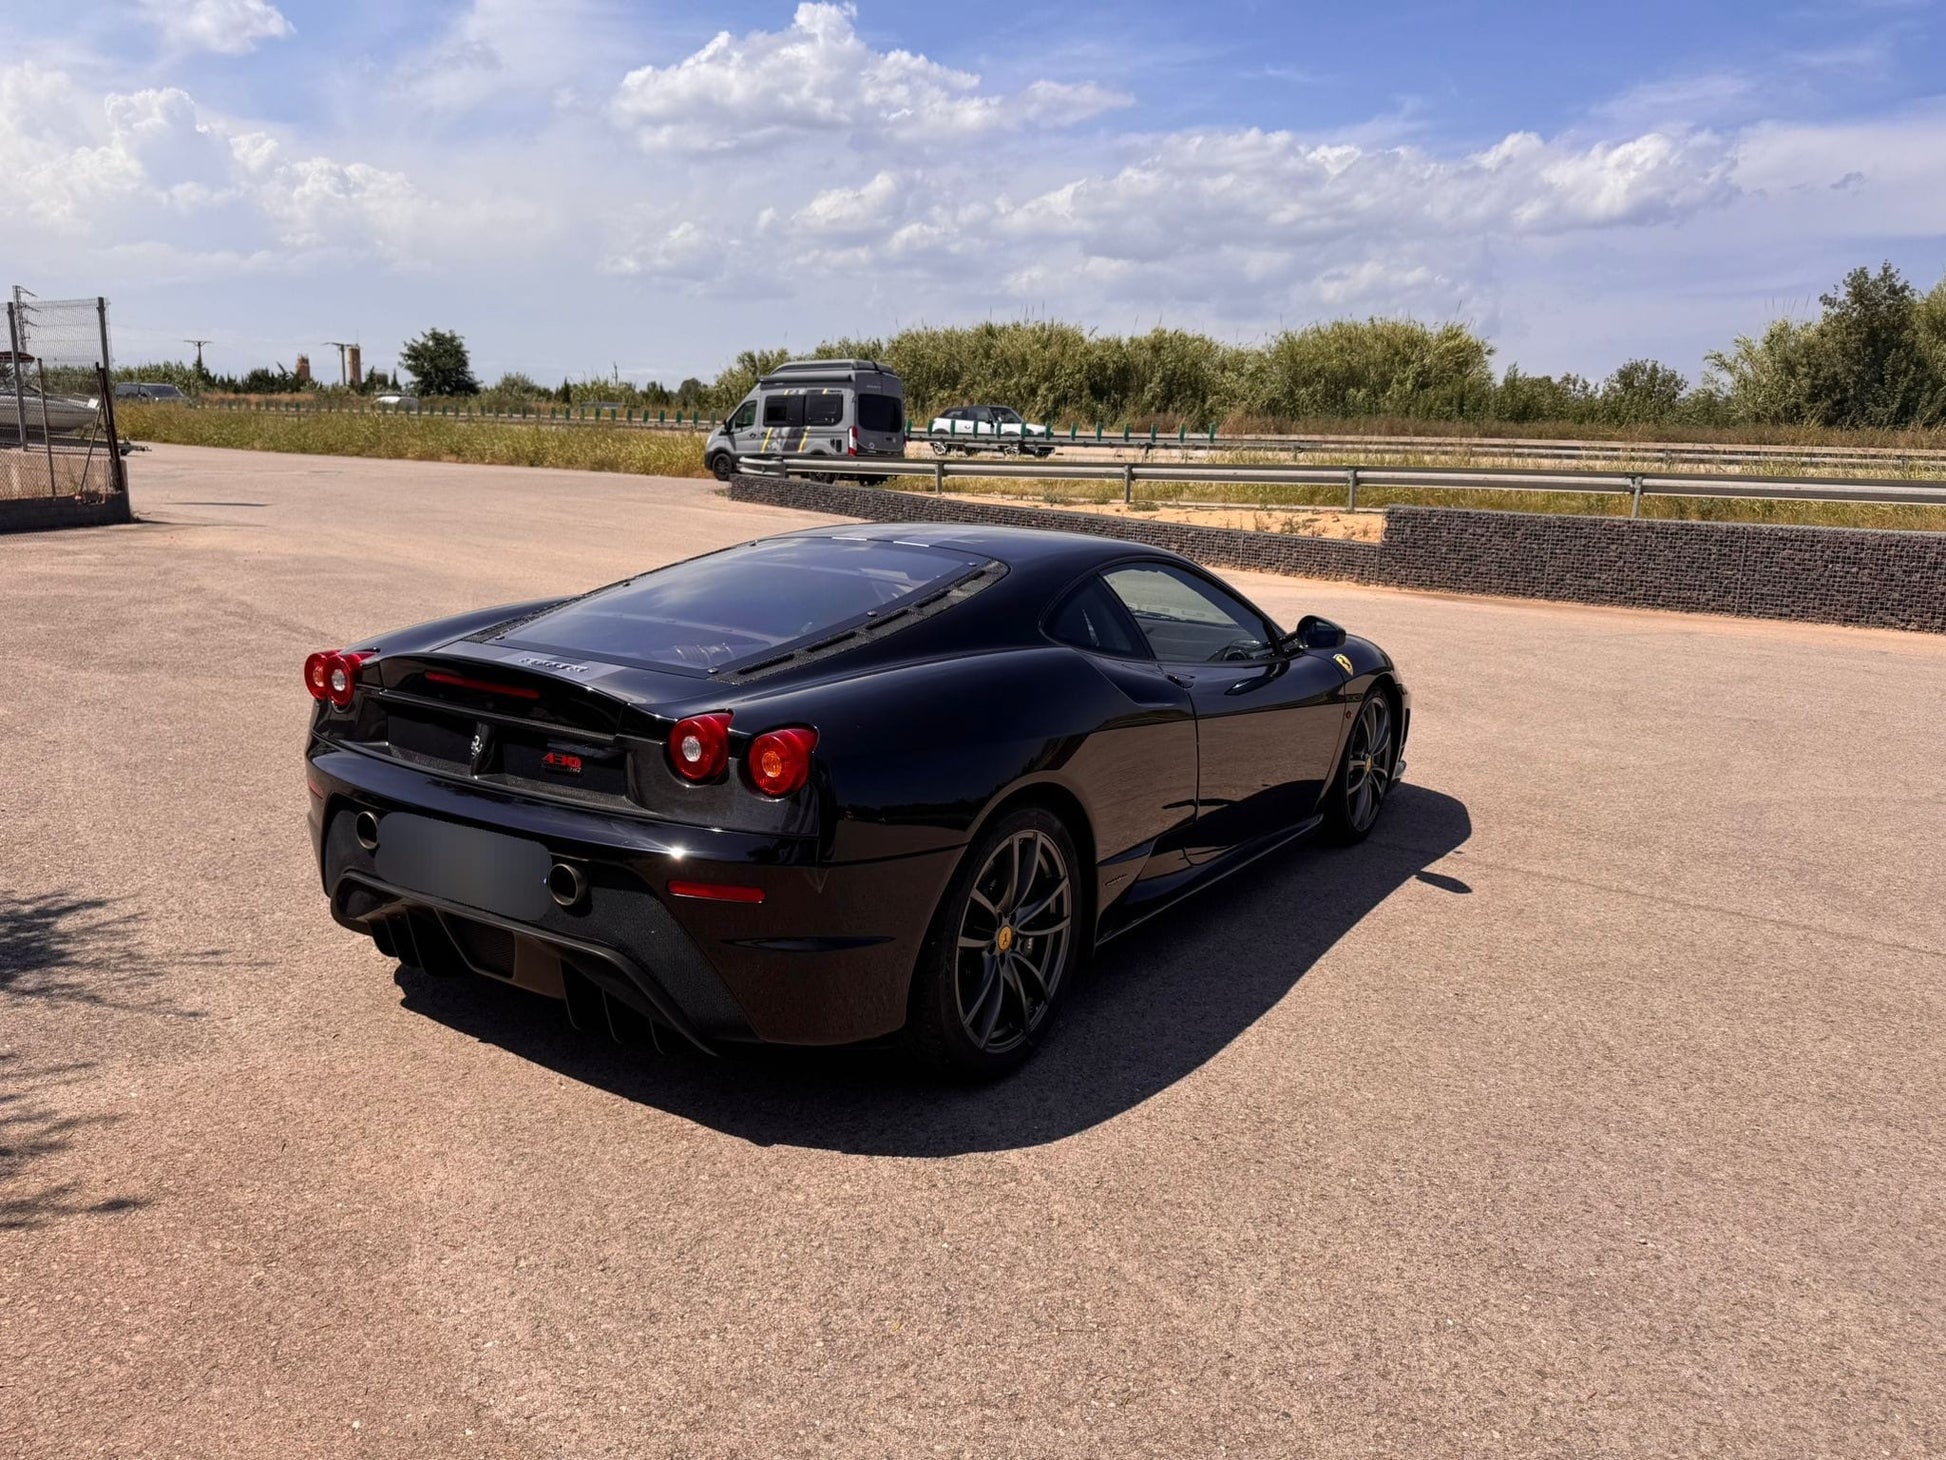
(1186, 681)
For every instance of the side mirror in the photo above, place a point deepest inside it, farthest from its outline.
(1313, 632)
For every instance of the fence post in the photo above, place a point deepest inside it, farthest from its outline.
(117, 467)
(1351, 489)
(1128, 482)
(20, 392)
(1635, 497)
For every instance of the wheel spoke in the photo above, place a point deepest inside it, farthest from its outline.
(1042, 932)
(1010, 979)
(966, 942)
(992, 990)
(1025, 915)
(1025, 965)
(1012, 894)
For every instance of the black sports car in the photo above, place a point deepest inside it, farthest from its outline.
(834, 785)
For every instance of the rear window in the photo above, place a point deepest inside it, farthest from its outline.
(824, 408)
(742, 603)
(881, 413)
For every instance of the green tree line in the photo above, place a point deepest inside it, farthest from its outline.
(1873, 358)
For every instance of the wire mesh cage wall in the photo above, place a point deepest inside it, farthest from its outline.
(57, 426)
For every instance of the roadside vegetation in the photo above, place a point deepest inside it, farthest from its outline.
(419, 438)
(1868, 369)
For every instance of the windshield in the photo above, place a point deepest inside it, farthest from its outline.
(742, 603)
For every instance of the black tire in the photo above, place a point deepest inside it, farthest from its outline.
(721, 466)
(1004, 944)
(1366, 772)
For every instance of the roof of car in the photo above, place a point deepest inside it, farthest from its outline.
(1015, 546)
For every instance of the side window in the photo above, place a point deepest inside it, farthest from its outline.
(881, 413)
(783, 410)
(745, 417)
(824, 408)
(1092, 618)
(1189, 621)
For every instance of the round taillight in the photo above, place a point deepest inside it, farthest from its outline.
(780, 760)
(699, 747)
(317, 674)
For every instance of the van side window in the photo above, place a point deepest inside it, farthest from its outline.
(881, 413)
(783, 410)
(824, 408)
(745, 417)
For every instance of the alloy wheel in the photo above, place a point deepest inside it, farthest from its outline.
(1368, 763)
(1013, 941)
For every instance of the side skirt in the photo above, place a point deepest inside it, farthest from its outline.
(1206, 875)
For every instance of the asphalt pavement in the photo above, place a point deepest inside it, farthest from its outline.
(1592, 1108)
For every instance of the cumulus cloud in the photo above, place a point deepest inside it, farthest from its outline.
(152, 167)
(227, 27)
(819, 77)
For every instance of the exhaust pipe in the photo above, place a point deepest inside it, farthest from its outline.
(567, 884)
(365, 827)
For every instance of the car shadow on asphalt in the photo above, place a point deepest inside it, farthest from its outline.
(1157, 1005)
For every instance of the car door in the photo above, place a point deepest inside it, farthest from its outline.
(1267, 720)
(782, 424)
(1140, 769)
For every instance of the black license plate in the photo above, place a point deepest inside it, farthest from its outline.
(484, 869)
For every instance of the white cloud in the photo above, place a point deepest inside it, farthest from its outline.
(228, 27)
(151, 167)
(820, 77)
(805, 182)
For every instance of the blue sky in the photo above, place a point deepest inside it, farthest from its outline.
(585, 185)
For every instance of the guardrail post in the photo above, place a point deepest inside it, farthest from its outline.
(1128, 482)
(1635, 496)
(939, 475)
(1351, 489)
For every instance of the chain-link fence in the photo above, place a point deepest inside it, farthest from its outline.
(57, 400)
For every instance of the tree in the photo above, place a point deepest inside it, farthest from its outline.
(1642, 392)
(690, 394)
(439, 365)
(1867, 367)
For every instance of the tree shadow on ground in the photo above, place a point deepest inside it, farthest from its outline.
(61, 950)
(1156, 1007)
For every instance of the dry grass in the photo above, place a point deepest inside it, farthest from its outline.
(420, 438)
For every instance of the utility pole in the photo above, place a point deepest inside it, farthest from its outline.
(199, 354)
(343, 345)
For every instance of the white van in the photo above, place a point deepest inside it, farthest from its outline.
(813, 408)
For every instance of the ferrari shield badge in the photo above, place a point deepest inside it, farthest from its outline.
(1344, 663)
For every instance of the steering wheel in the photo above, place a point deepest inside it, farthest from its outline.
(1238, 650)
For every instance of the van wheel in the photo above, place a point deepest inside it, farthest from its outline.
(940, 448)
(721, 466)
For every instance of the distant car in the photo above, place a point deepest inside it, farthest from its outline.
(989, 428)
(147, 390)
(395, 400)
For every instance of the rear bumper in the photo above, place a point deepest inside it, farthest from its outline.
(825, 958)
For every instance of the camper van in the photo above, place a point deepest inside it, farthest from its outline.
(813, 408)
